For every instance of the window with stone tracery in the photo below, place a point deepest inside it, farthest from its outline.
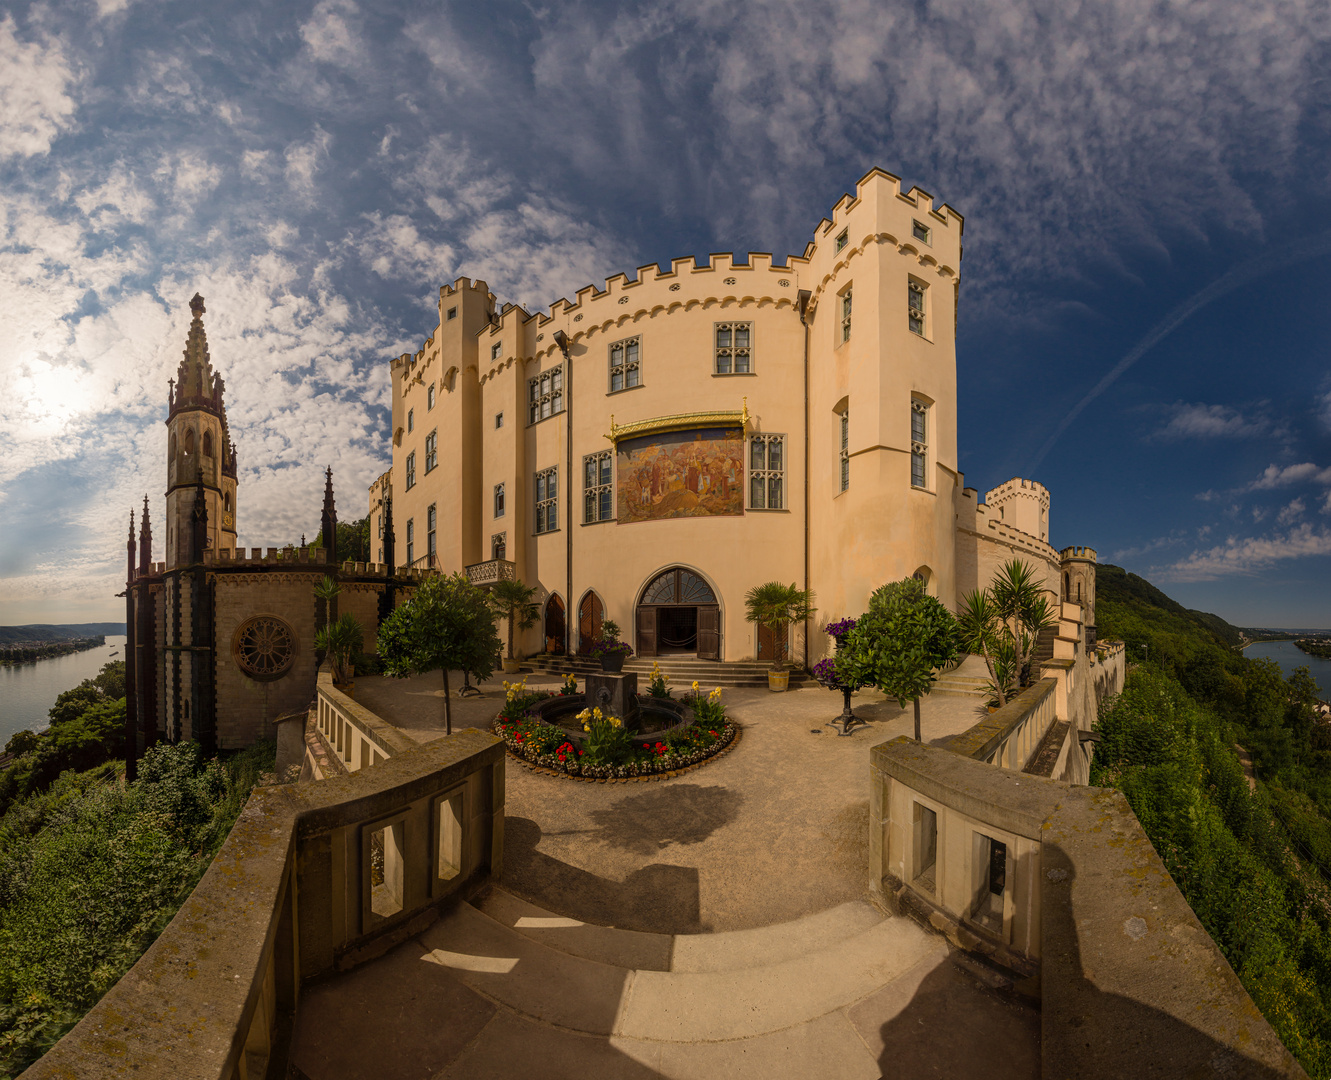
(915, 306)
(625, 364)
(734, 348)
(547, 500)
(767, 472)
(264, 647)
(545, 395)
(919, 443)
(597, 493)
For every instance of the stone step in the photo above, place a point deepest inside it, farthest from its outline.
(725, 951)
(554, 987)
(514, 1046)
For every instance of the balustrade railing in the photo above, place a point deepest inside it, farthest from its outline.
(357, 736)
(1010, 736)
(487, 573)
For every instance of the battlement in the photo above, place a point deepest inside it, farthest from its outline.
(1088, 554)
(466, 283)
(944, 215)
(1015, 486)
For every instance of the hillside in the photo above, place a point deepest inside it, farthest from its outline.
(57, 631)
(1253, 858)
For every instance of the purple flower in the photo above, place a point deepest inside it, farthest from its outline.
(840, 629)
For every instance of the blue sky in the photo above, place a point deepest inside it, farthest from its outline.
(1147, 190)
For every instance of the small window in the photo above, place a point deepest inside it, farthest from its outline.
(499, 500)
(499, 420)
(411, 541)
(411, 470)
(452, 314)
(411, 420)
(924, 852)
(547, 505)
(597, 493)
(845, 449)
(920, 231)
(499, 546)
(734, 348)
(496, 350)
(431, 450)
(845, 315)
(915, 306)
(545, 395)
(625, 364)
(841, 240)
(431, 521)
(767, 472)
(429, 398)
(919, 443)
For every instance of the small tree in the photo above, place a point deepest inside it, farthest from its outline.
(777, 606)
(1023, 610)
(899, 643)
(516, 602)
(980, 631)
(447, 624)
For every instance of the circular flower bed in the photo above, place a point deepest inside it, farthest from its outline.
(619, 755)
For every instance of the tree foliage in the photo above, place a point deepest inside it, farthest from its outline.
(778, 606)
(899, 643)
(448, 624)
(515, 602)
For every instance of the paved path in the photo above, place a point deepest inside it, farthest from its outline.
(712, 925)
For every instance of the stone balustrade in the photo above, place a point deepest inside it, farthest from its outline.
(357, 736)
(1059, 883)
(487, 573)
(312, 878)
(1011, 734)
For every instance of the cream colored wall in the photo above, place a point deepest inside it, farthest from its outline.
(881, 529)
(985, 542)
(182, 472)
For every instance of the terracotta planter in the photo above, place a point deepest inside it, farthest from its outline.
(512, 667)
(778, 681)
(612, 662)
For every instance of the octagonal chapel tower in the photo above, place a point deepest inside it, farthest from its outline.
(199, 453)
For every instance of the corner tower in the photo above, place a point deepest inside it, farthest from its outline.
(200, 453)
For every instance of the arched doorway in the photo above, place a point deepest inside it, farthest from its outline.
(591, 614)
(554, 625)
(679, 614)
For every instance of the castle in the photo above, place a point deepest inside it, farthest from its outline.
(646, 454)
(654, 449)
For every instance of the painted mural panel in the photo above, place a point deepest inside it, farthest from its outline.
(673, 474)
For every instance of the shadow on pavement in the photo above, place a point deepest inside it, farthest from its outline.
(664, 815)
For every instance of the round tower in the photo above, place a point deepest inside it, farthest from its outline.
(1077, 566)
(200, 454)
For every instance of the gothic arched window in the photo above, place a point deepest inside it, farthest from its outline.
(207, 444)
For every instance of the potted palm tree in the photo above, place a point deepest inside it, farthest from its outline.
(515, 602)
(776, 606)
(609, 649)
(341, 640)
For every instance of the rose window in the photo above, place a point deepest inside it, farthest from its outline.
(265, 647)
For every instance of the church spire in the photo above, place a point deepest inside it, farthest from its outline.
(145, 542)
(197, 386)
(328, 521)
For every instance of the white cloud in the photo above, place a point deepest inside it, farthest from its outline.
(1249, 556)
(1292, 512)
(394, 248)
(305, 159)
(1276, 476)
(330, 33)
(35, 80)
(1201, 421)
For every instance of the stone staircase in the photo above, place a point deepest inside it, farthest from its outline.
(966, 680)
(681, 671)
(772, 1001)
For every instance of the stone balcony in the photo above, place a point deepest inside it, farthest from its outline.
(495, 570)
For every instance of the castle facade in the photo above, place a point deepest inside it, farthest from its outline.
(652, 450)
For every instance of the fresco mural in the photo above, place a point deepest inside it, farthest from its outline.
(673, 474)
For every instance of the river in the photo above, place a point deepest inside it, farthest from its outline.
(27, 691)
(1289, 656)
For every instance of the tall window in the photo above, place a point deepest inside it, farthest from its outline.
(545, 395)
(431, 450)
(411, 470)
(734, 354)
(499, 500)
(429, 398)
(547, 506)
(496, 349)
(919, 442)
(431, 520)
(845, 449)
(841, 240)
(915, 306)
(411, 541)
(499, 546)
(845, 315)
(767, 472)
(411, 420)
(625, 364)
(597, 495)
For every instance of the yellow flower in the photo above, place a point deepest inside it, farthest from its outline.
(714, 696)
(695, 686)
(596, 712)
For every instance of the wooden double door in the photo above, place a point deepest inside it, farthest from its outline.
(591, 616)
(678, 615)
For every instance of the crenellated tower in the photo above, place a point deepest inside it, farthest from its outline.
(200, 453)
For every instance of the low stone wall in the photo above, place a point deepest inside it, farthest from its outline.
(357, 736)
(1010, 735)
(312, 878)
(1076, 900)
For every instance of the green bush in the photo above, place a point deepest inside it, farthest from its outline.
(91, 871)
